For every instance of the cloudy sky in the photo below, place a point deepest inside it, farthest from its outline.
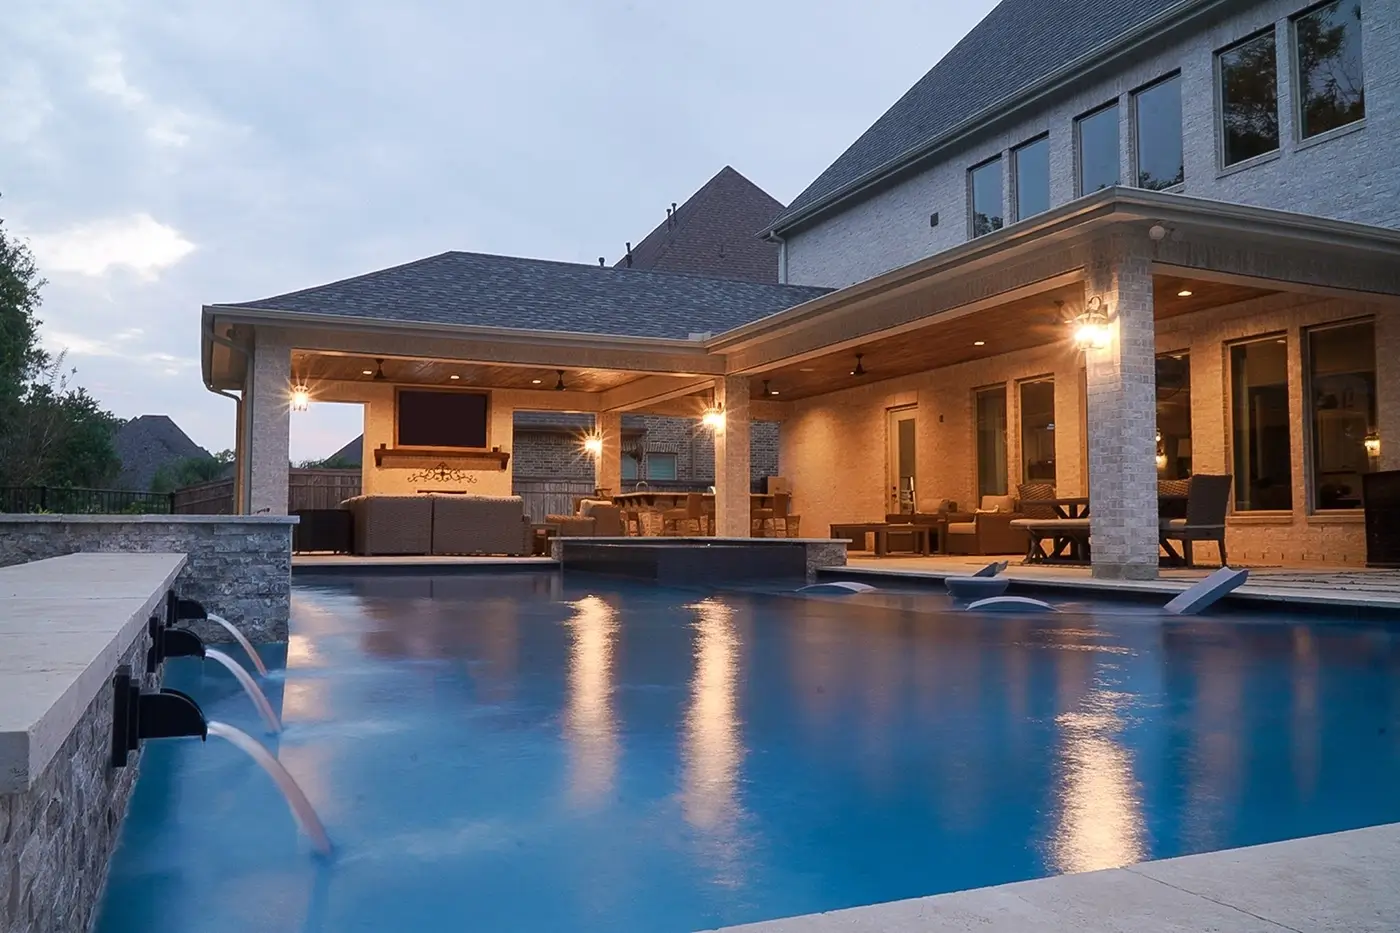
(163, 154)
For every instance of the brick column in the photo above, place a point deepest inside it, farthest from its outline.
(607, 469)
(1122, 409)
(269, 428)
(732, 459)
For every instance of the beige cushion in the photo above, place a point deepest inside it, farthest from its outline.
(1173, 523)
(586, 506)
(998, 504)
(962, 528)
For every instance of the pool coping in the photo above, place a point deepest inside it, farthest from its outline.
(1338, 881)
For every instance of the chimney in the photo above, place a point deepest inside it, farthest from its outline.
(602, 261)
(629, 255)
(668, 217)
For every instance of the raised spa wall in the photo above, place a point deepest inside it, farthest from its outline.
(239, 566)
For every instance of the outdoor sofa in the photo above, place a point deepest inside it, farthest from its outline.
(439, 524)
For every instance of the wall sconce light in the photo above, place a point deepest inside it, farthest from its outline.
(1373, 444)
(301, 397)
(713, 418)
(1091, 331)
(593, 445)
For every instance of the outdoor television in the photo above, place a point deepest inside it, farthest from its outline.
(428, 418)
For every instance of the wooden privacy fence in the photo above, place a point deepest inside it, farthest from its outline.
(306, 489)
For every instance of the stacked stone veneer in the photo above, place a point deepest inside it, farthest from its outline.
(56, 838)
(239, 566)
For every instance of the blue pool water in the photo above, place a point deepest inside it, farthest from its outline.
(513, 753)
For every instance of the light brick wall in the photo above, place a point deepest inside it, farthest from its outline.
(833, 446)
(269, 425)
(1351, 177)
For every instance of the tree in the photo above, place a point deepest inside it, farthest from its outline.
(51, 433)
(192, 471)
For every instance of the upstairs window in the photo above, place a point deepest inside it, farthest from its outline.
(1157, 143)
(1097, 136)
(1248, 99)
(1032, 166)
(985, 182)
(1327, 52)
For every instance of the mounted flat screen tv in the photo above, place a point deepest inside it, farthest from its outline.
(442, 419)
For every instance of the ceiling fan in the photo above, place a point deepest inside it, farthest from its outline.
(379, 371)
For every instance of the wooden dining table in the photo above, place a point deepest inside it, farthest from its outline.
(672, 499)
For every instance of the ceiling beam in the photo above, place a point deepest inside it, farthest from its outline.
(650, 391)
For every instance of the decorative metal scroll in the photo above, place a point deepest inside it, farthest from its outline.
(442, 473)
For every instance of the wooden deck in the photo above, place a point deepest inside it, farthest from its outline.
(1313, 585)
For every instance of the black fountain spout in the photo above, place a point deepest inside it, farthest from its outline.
(167, 642)
(179, 609)
(135, 716)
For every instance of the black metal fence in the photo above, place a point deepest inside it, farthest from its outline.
(78, 501)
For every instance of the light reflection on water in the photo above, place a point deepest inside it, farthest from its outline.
(589, 726)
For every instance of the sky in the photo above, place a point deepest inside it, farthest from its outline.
(160, 155)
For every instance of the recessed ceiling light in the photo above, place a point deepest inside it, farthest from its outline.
(807, 369)
(535, 382)
(773, 392)
(979, 343)
(366, 372)
(1185, 293)
(454, 376)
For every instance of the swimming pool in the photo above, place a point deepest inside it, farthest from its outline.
(517, 753)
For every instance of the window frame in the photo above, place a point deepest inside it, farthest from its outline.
(1218, 105)
(1134, 125)
(1309, 412)
(972, 233)
(1295, 76)
(977, 393)
(1016, 176)
(1079, 144)
(670, 455)
(1229, 370)
(1048, 378)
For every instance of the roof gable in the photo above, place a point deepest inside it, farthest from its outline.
(715, 233)
(477, 289)
(1016, 46)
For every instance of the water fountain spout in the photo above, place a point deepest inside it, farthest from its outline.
(250, 687)
(189, 610)
(301, 808)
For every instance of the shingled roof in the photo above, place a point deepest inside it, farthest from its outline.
(715, 233)
(146, 444)
(457, 288)
(1018, 45)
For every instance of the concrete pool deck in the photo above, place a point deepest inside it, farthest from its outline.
(1321, 586)
(1337, 882)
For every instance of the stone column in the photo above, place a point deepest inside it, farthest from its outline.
(1122, 409)
(269, 427)
(607, 469)
(732, 482)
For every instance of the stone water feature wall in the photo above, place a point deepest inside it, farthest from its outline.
(240, 566)
(56, 838)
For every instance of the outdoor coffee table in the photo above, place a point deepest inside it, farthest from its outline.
(856, 532)
(918, 537)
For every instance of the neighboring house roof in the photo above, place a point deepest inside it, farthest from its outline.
(715, 233)
(146, 444)
(457, 288)
(352, 453)
(1019, 45)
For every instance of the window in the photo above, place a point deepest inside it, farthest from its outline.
(1032, 166)
(1342, 402)
(985, 181)
(1263, 459)
(1038, 431)
(629, 467)
(661, 466)
(1098, 149)
(1157, 135)
(1327, 53)
(991, 442)
(1174, 416)
(1249, 99)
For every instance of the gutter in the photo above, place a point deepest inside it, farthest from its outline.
(1095, 59)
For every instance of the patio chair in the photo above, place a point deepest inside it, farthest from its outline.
(592, 518)
(1207, 501)
(1031, 492)
(988, 530)
(677, 522)
(775, 519)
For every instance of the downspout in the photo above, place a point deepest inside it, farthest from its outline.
(239, 507)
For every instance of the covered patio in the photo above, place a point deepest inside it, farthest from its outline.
(1031, 357)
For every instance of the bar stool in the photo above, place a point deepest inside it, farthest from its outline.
(676, 522)
(761, 521)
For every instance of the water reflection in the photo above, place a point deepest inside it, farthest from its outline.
(1101, 823)
(713, 751)
(589, 721)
